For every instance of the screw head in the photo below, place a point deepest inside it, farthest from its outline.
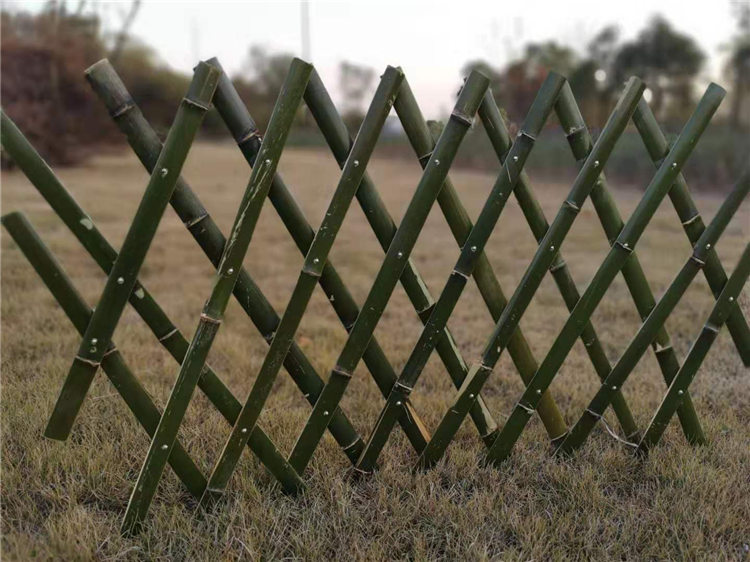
(731, 299)
(325, 413)
(316, 260)
(473, 248)
(674, 164)
(356, 163)
(94, 341)
(614, 387)
(230, 271)
(515, 159)
(398, 403)
(244, 430)
(400, 254)
(471, 396)
(120, 281)
(596, 163)
(268, 161)
(551, 248)
(708, 246)
(164, 172)
(538, 390)
(437, 162)
(164, 447)
(680, 392)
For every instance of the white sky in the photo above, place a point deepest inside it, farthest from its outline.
(430, 40)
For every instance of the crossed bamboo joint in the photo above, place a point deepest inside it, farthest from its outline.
(435, 147)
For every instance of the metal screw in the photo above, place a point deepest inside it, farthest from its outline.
(230, 271)
(614, 387)
(515, 159)
(356, 163)
(708, 246)
(164, 447)
(268, 161)
(398, 403)
(244, 430)
(437, 162)
(551, 248)
(164, 172)
(596, 163)
(538, 390)
(473, 248)
(674, 164)
(471, 396)
(94, 341)
(680, 392)
(731, 299)
(120, 280)
(316, 260)
(400, 254)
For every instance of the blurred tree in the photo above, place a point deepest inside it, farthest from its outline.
(589, 80)
(355, 82)
(738, 68)
(668, 61)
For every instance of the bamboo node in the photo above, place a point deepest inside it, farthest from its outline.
(697, 260)
(557, 266)
(462, 117)
(572, 206)
(593, 414)
(195, 103)
(528, 409)
(692, 219)
(249, 135)
(122, 109)
(404, 389)
(90, 362)
(624, 245)
(206, 318)
(662, 348)
(192, 222)
(338, 370)
(168, 335)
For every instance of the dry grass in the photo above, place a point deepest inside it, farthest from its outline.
(65, 500)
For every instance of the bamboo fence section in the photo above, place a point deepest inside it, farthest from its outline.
(435, 147)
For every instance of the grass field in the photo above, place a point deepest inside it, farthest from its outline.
(65, 500)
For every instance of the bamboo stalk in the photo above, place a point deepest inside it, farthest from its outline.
(422, 139)
(244, 130)
(500, 139)
(543, 259)
(692, 223)
(337, 136)
(122, 278)
(635, 279)
(226, 276)
(700, 348)
(648, 330)
(87, 233)
(391, 269)
(312, 269)
(114, 366)
(147, 146)
(620, 253)
(462, 271)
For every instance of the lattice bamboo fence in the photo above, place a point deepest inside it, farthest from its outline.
(435, 148)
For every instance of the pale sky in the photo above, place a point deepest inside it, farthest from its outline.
(431, 41)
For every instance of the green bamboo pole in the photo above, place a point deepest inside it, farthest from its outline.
(114, 366)
(391, 268)
(147, 146)
(462, 271)
(500, 139)
(337, 136)
(700, 348)
(310, 273)
(122, 278)
(620, 253)
(422, 140)
(244, 130)
(645, 335)
(213, 311)
(534, 274)
(85, 230)
(635, 279)
(692, 223)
